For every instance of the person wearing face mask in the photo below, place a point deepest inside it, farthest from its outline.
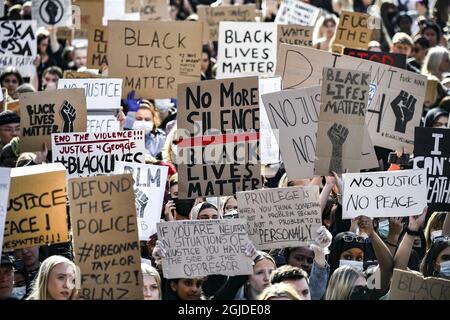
(343, 282)
(177, 209)
(434, 226)
(143, 116)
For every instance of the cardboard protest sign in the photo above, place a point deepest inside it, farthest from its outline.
(409, 285)
(154, 10)
(384, 194)
(91, 12)
(154, 57)
(295, 34)
(199, 248)
(47, 112)
(392, 59)
(283, 217)
(393, 92)
(97, 46)
(69, 74)
(52, 13)
(65, 34)
(105, 237)
(340, 130)
(101, 93)
(246, 49)
(88, 154)
(218, 131)
(297, 12)
(5, 182)
(149, 188)
(37, 213)
(115, 10)
(295, 114)
(211, 17)
(102, 123)
(132, 6)
(432, 152)
(19, 46)
(270, 152)
(368, 156)
(2, 13)
(353, 31)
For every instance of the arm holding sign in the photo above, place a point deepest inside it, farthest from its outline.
(320, 270)
(384, 257)
(133, 106)
(323, 198)
(54, 44)
(404, 250)
(395, 229)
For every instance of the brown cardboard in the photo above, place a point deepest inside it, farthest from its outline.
(413, 286)
(97, 55)
(353, 31)
(295, 34)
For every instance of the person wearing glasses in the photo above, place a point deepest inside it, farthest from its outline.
(9, 127)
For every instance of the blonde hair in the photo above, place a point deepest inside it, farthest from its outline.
(147, 105)
(342, 282)
(39, 289)
(433, 60)
(279, 290)
(167, 150)
(436, 222)
(148, 270)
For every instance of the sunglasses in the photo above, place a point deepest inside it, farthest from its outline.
(349, 238)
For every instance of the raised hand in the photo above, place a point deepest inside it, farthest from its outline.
(68, 113)
(337, 134)
(403, 106)
(416, 222)
(132, 103)
(141, 201)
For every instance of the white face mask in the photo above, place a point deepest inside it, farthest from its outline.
(436, 233)
(358, 265)
(147, 126)
(444, 269)
(19, 292)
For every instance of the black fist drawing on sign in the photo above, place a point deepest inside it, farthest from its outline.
(141, 201)
(68, 113)
(52, 11)
(403, 106)
(337, 135)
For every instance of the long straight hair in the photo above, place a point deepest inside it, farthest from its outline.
(342, 282)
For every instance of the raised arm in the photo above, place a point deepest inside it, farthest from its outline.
(323, 198)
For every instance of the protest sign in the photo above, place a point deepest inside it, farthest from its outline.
(2, 13)
(37, 213)
(211, 17)
(149, 188)
(69, 74)
(340, 131)
(52, 13)
(392, 59)
(384, 194)
(65, 33)
(101, 93)
(154, 10)
(295, 114)
(297, 12)
(395, 94)
(283, 217)
(295, 34)
(199, 248)
(19, 46)
(132, 6)
(410, 285)
(102, 123)
(105, 237)
(270, 152)
(246, 49)
(47, 112)
(115, 10)
(218, 130)
(5, 182)
(432, 152)
(153, 58)
(353, 31)
(368, 156)
(87, 154)
(92, 12)
(97, 46)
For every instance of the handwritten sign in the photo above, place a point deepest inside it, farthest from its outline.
(19, 46)
(296, 34)
(105, 237)
(246, 49)
(394, 94)
(101, 93)
(283, 217)
(37, 213)
(407, 285)
(340, 130)
(70, 74)
(218, 124)
(431, 152)
(102, 123)
(87, 154)
(149, 188)
(200, 248)
(297, 12)
(211, 17)
(353, 31)
(392, 59)
(97, 46)
(153, 58)
(47, 112)
(52, 13)
(5, 182)
(385, 194)
(154, 10)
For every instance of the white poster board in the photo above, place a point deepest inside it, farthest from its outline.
(297, 12)
(52, 13)
(102, 123)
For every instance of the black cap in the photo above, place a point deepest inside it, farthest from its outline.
(7, 117)
(7, 260)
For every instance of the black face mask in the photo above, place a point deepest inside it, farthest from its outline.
(183, 206)
(363, 293)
